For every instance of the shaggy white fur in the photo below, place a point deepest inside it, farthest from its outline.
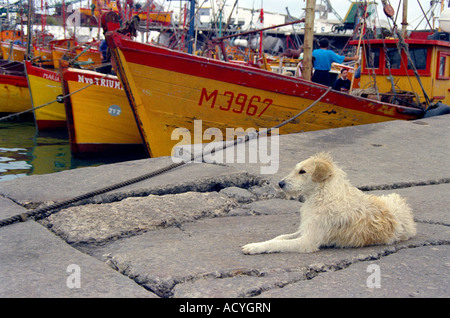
(337, 214)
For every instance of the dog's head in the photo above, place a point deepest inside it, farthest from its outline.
(308, 175)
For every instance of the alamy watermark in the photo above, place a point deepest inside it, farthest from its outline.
(74, 278)
(231, 148)
(374, 279)
(73, 17)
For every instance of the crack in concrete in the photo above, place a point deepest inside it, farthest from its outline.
(402, 185)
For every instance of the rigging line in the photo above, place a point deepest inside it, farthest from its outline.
(229, 17)
(402, 45)
(44, 211)
(210, 32)
(388, 62)
(368, 59)
(362, 27)
(432, 8)
(425, 15)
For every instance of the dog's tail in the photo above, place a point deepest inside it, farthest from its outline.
(406, 227)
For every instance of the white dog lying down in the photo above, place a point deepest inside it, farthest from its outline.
(336, 213)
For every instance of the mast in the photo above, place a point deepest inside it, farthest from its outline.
(29, 36)
(309, 39)
(191, 27)
(404, 17)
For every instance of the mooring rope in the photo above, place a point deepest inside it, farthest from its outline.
(40, 212)
(59, 99)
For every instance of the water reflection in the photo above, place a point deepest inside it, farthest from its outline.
(24, 151)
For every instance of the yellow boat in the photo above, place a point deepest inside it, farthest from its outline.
(90, 58)
(169, 89)
(42, 51)
(427, 52)
(153, 15)
(45, 87)
(99, 117)
(62, 49)
(43, 55)
(7, 36)
(13, 52)
(14, 95)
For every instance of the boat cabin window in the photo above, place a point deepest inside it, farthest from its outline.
(442, 66)
(393, 58)
(443, 71)
(419, 57)
(373, 58)
(390, 60)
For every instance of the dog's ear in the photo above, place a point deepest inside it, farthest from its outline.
(322, 171)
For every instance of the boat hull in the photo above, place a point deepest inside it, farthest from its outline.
(45, 87)
(170, 89)
(17, 52)
(44, 54)
(14, 93)
(99, 117)
(91, 57)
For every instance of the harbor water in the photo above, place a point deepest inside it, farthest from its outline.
(25, 151)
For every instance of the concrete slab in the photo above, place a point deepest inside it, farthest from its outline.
(430, 203)
(392, 276)
(99, 223)
(9, 208)
(71, 183)
(36, 263)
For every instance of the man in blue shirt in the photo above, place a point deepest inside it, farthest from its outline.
(323, 58)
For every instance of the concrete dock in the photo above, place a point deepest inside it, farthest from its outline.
(179, 234)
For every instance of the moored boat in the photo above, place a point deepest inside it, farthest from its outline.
(14, 95)
(89, 55)
(62, 49)
(13, 51)
(394, 70)
(98, 117)
(150, 12)
(169, 89)
(45, 87)
(7, 39)
(42, 51)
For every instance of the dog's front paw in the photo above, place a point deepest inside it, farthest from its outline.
(253, 248)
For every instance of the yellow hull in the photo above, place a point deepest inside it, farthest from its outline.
(167, 100)
(45, 55)
(14, 94)
(58, 54)
(163, 18)
(99, 116)
(17, 52)
(169, 90)
(45, 87)
(93, 57)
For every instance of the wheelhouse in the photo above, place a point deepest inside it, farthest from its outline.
(388, 67)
